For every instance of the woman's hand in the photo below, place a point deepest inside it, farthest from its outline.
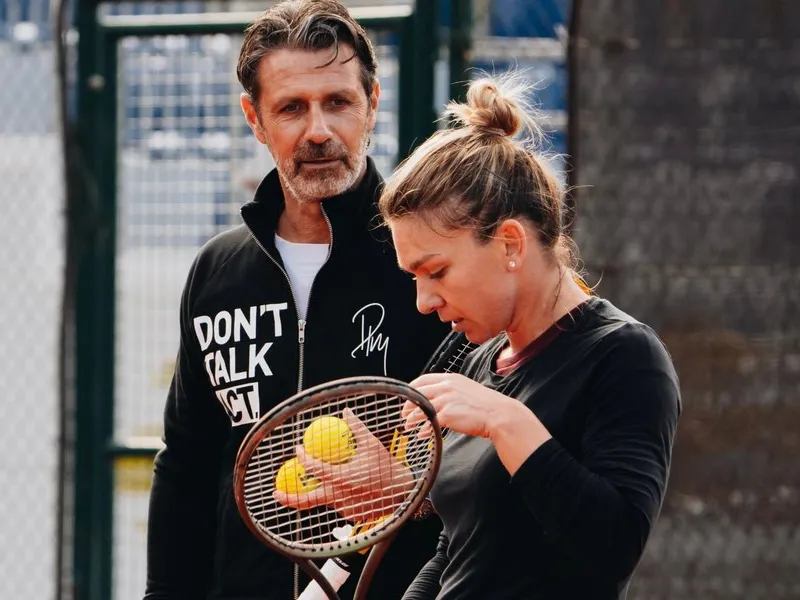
(461, 404)
(370, 485)
(466, 406)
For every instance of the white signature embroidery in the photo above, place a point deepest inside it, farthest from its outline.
(371, 339)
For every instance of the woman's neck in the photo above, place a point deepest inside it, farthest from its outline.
(560, 295)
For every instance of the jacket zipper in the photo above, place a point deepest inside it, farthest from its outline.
(301, 331)
(301, 323)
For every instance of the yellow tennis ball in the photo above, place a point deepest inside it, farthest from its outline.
(329, 439)
(293, 479)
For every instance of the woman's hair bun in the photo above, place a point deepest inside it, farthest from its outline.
(497, 104)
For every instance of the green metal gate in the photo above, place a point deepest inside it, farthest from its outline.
(170, 159)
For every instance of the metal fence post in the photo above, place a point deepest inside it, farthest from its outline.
(94, 319)
(461, 22)
(419, 51)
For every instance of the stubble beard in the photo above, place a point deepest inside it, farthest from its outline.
(307, 185)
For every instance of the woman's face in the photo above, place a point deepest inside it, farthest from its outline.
(468, 283)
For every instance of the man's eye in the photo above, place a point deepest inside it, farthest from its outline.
(339, 102)
(438, 274)
(291, 108)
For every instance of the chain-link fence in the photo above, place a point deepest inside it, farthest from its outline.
(31, 246)
(686, 139)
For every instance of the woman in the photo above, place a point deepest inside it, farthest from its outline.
(563, 420)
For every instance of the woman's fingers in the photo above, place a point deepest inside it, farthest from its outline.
(408, 407)
(362, 435)
(428, 378)
(425, 431)
(303, 501)
(414, 418)
(313, 466)
(439, 388)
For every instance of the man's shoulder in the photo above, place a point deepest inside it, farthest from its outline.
(225, 242)
(217, 251)
(223, 246)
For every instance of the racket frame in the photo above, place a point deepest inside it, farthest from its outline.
(317, 396)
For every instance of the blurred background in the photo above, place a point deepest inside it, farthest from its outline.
(123, 149)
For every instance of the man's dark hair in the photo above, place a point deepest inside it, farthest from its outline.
(304, 25)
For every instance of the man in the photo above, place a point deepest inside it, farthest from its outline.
(305, 291)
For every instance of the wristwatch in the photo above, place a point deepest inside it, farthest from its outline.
(425, 510)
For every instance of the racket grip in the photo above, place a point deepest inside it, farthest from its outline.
(334, 572)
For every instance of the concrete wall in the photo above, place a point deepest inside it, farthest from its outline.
(687, 155)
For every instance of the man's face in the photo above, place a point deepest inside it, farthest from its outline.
(315, 120)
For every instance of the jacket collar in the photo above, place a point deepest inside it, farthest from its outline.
(351, 213)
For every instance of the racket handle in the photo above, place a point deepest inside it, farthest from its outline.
(336, 576)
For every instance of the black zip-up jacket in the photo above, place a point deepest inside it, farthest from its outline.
(244, 349)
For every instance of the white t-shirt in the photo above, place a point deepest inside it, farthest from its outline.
(302, 261)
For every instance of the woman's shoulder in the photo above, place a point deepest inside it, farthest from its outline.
(624, 338)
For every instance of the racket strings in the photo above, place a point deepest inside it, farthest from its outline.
(453, 364)
(456, 360)
(376, 491)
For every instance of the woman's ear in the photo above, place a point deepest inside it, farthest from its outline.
(513, 236)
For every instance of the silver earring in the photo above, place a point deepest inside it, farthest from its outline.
(512, 264)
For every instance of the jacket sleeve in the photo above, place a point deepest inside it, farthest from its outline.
(600, 509)
(182, 514)
(427, 584)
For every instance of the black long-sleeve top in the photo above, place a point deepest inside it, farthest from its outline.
(574, 519)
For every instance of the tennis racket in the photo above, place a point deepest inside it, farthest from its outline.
(450, 355)
(359, 490)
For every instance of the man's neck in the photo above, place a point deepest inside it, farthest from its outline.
(303, 223)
